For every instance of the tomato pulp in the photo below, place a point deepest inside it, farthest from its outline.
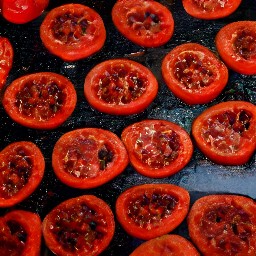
(79, 226)
(144, 22)
(157, 148)
(73, 32)
(42, 100)
(151, 210)
(236, 44)
(226, 132)
(120, 87)
(21, 171)
(223, 225)
(194, 74)
(88, 157)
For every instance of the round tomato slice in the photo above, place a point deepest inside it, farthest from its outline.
(22, 11)
(81, 226)
(151, 210)
(226, 132)
(120, 87)
(194, 74)
(210, 9)
(88, 157)
(73, 32)
(20, 234)
(166, 245)
(6, 59)
(223, 225)
(144, 22)
(236, 44)
(41, 100)
(21, 171)
(157, 148)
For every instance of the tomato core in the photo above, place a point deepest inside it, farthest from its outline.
(79, 228)
(211, 5)
(225, 131)
(148, 210)
(15, 173)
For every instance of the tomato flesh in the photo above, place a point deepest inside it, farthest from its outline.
(211, 5)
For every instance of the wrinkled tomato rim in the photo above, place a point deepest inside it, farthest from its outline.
(64, 84)
(116, 167)
(185, 152)
(194, 96)
(165, 225)
(93, 202)
(134, 107)
(37, 174)
(248, 145)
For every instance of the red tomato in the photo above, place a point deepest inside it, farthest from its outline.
(22, 11)
(151, 210)
(41, 100)
(210, 9)
(166, 245)
(223, 225)
(81, 226)
(73, 32)
(20, 234)
(6, 59)
(120, 87)
(88, 157)
(144, 22)
(21, 171)
(236, 44)
(226, 132)
(157, 148)
(194, 74)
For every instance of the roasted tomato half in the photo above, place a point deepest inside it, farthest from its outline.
(210, 9)
(41, 100)
(88, 157)
(166, 245)
(6, 59)
(226, 132)
(223, 225)
(81, 226)
(145, 22)
(194, 74)
(20, 234)
(22, 11)
(120, 87)
(236, 44)
(157, 148)
(73, 32)
(21, 171)
(151, 210)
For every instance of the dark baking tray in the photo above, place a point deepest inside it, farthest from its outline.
(199, 177)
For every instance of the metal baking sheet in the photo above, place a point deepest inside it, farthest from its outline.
(199, 177)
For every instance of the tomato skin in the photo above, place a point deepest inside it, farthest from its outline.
(167, 223)
(210, 68)
(212, 219)
(32, 82)
(36, 165)
(234, 38)
(212, 10)
(6, 57)
(22, 11)
(132, 19)
(119, 66)
(94, 203)
(87, 143)
(131, 135)
(166, 245)
(247, 141)
(31, 223)
(87, 42)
